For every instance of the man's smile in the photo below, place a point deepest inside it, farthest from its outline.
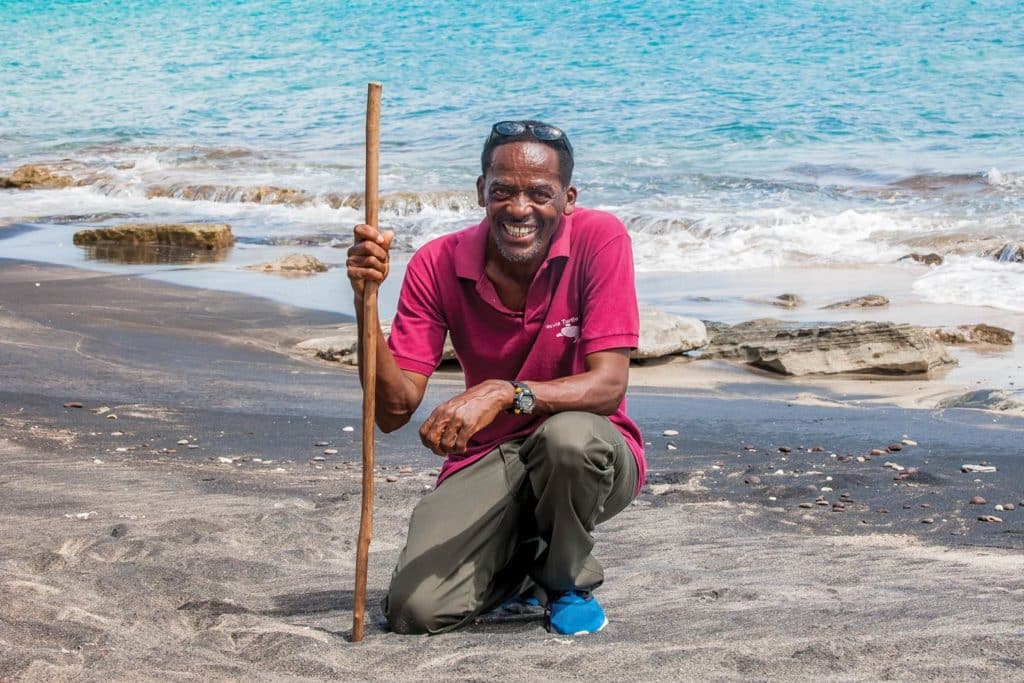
(519, 230)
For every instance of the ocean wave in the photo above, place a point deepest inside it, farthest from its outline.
(927, 183)
(170, 154)
(765, 238)
(768, 238)
(708, 222)
(974, 281)
(398, 204)
(964, 238)
(408, 203)
(997, 178)
(88, 218)
(262, 194)
(817, 171)
(71, 173)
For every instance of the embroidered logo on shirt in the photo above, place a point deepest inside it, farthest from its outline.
(570, 328)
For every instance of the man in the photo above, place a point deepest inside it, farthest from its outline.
(540, 302)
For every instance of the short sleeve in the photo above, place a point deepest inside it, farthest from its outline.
(611, 316)
(419, 328)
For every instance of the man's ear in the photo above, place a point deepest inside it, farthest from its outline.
(570, 200)
(480, 191)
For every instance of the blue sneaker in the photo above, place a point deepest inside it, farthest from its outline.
(574, 614)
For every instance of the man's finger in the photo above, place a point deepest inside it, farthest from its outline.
(431, 432)
(369, 233)
(462, 439)
(368, 250)
(366, 261)
(425, 432)
(450, 440)
(365, 274)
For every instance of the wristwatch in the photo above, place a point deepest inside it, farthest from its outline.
(523, 400)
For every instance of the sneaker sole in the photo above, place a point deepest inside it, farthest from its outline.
(587, 633)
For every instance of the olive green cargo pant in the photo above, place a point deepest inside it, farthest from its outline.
(520, 516)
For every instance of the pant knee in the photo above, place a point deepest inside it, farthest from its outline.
(410, 614)
(422, 608)
(569, 442)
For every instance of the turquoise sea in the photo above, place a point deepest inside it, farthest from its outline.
(732, 138)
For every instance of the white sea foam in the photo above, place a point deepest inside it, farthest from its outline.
(148, 163)
(247, 219)
(650, 161)
(709, 223)
(998, 178)
(972, 281)
(770, 238)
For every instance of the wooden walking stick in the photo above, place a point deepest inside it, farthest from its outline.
(369, 343)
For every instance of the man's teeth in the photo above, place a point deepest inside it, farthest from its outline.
(518, 230)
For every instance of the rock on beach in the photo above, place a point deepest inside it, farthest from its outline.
(664, 334)
(35, 177)
(292, 264)
(1013, 253)
(986, 399)
(867, 301)
(876, 348)
(973, 334)
(788, 300)
(931, 259)
(191, 235)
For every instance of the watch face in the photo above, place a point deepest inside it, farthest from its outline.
(526, 402)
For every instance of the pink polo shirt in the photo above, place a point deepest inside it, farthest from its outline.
(582, 300)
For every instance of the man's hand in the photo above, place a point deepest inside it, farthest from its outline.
(450, 426)
(368, 258)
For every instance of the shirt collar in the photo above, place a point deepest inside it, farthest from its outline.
(472, 248)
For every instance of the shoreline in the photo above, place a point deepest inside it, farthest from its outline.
(728, 297)
(231, 555)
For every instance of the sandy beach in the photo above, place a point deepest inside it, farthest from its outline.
(208, 532)
(180, 478)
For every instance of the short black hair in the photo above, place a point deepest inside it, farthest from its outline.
(561, 145)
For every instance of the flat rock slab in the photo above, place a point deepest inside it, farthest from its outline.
(973, 334)
(664, 334)
(877, 348)
(866, 301)
(987, 399)
(292, 264)
(191, 235)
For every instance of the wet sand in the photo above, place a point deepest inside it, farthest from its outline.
(127, 555)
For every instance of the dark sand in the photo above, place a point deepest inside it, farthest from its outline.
(121, 560)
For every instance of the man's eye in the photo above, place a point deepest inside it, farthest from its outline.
(500, 193)
(541, 196)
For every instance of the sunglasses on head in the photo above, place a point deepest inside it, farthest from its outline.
(541, 131)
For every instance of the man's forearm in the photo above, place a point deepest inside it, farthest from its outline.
(599, 390)
(396, 395)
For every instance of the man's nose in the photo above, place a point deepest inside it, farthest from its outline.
(519, 205)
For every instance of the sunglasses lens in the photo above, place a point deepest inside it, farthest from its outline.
(509, 128)
(544, 132)
(549, 133)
